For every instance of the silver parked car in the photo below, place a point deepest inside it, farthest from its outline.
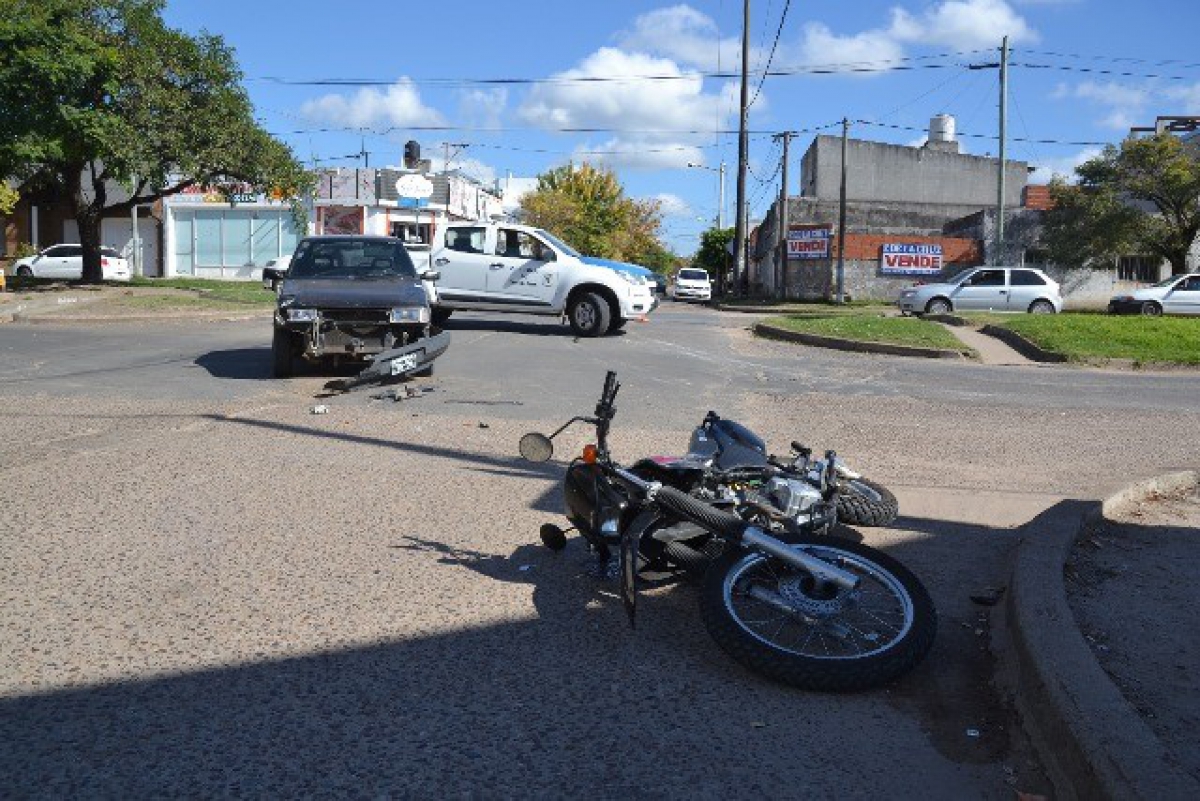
(1014, 289)
(1179, 294)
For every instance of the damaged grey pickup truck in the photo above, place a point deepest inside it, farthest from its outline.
(348, 298)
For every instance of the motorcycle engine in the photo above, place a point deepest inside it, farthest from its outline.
(792, 497)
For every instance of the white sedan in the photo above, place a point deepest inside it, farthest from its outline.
(1179, 294)
(66, 262)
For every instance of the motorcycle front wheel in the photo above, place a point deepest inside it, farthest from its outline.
(775, 620)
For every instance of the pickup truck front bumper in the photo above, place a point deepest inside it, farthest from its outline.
(640, 300)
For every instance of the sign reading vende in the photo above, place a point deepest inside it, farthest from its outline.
(809, 243)
(903, 259)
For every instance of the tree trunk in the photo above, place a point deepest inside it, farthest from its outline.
(89, 239)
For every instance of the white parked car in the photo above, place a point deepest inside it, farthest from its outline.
(273, 272)
(66, 262)
(1179, 294)
(692, 283)
(1013, 289)
(504, 267)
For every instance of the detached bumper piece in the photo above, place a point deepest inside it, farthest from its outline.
(396, 363)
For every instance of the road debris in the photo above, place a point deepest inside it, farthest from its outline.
(989, 597)
(320, 408)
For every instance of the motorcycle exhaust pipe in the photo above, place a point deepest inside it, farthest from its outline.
(818, 568)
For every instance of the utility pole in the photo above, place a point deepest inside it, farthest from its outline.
(739, 234)
(781, 272)
(999, 255)
(841, 259)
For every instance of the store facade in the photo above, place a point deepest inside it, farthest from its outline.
(208, 234)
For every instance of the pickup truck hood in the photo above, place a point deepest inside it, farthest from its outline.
(619, 266)
(350, 293)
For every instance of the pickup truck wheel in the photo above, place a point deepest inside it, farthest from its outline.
(588, 315)
(617, 324)
(282, 357)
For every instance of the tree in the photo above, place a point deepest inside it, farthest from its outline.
(8, 198)
(588, 208)
(100, 91)
(1143, 197)
(713, 254)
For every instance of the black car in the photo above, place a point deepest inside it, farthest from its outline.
(348, 298)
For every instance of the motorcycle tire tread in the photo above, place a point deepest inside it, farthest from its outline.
(859, 510)
(808, 673)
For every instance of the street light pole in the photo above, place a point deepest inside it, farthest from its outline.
(720, 191)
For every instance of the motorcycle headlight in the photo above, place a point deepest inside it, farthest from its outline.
(409, 314)
(301, 315)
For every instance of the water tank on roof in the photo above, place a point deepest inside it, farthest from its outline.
(941, 128)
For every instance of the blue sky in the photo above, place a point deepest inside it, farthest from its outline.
(432, 63)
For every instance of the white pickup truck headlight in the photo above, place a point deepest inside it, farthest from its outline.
(301, 315)
(409, 314)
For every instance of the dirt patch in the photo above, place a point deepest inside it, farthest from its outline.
(1134, 586)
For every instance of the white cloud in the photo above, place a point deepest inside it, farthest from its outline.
(672, 205)
(1186, 98)
(657, 124)
(516, 188)
(398, 105)
(1123, 104)
(963, 24)
(1063, 167)
(482, 108)
(820, 45)
(471, 167)
(683, 34)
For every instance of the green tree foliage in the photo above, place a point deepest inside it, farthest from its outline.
(8, 198)
(587, 207)
(1140, 198)
(100, 91)
(713, 254)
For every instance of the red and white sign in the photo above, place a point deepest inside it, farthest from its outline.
(906, 259)
(810, 242)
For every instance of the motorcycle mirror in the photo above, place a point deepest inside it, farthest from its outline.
(535, 447)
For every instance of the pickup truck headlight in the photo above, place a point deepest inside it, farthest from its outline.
(301, 315)
(409, 314)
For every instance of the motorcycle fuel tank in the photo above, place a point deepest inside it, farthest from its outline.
(729, 444)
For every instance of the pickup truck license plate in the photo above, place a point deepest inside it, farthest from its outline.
(404, 363)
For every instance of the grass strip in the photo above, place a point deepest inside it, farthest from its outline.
(864, 327)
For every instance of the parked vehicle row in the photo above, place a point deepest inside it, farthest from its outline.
(1179, 294)
(66, 262)
(1016, 289)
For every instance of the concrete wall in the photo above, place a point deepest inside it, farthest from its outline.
(884, 172)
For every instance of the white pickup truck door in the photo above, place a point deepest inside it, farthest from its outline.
(464, 264)
(523, 270)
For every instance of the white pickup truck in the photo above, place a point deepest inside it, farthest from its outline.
(496, 266)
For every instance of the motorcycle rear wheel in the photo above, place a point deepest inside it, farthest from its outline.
(865, 503)
(827, 641)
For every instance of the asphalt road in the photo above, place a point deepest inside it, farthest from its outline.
(211, 591)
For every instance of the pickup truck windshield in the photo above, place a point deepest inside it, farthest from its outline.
(558, 243)
(351, 258)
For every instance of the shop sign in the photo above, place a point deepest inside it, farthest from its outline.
(904, 259)
(413, 191)
(809, 242)
(342, 220)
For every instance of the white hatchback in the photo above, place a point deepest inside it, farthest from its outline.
(66, 262)
(692, 283)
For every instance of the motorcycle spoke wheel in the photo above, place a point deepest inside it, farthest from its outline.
(783, 608)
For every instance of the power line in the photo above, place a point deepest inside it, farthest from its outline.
(987, 136)
(778, 31)
(1113, 59)
(1097, 71)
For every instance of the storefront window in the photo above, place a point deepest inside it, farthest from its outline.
(208, 239)
(232, 238)
(265, 238)
(235, 239)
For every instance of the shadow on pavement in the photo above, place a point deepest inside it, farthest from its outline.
(569, 701)
(254, 364)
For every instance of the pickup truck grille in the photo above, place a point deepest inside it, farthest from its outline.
(373, 316)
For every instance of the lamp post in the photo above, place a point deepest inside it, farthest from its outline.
(721, 191)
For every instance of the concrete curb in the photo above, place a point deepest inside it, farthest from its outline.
(1094, 743)
(948, 319)
(1022, 345)
(84, 319)
(774, 332)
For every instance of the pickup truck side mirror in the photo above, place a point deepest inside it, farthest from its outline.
(546, 255)
(431, 275)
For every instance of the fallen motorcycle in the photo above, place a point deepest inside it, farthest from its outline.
(728, 466)
(818, 613)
